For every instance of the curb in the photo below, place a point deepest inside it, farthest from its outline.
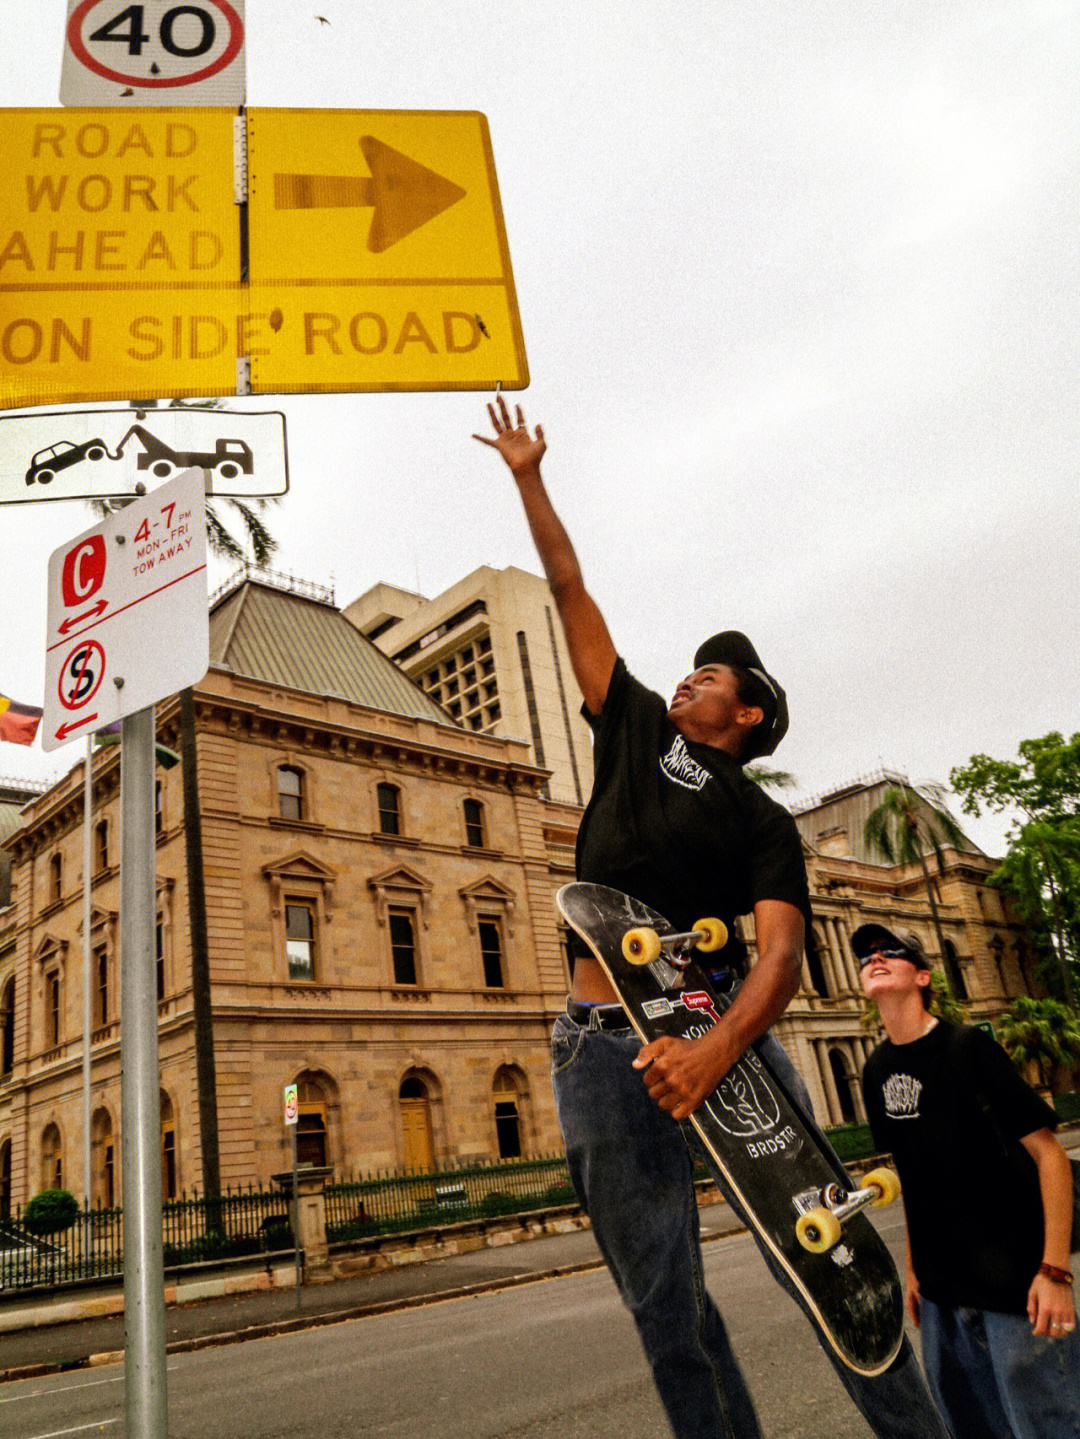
(308, 1321)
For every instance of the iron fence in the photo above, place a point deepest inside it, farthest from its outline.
(194, 1230)
(394, 1202)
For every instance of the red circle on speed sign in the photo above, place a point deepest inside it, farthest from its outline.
(160, 82)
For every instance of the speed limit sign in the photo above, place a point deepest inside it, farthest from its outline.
(160, 52)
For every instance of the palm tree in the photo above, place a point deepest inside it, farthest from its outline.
(769, 778)
(902, 828)
(222, 543)
(1040, 1033)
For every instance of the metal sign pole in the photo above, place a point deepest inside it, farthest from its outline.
(296, 1216)
(144, 1277)
(88, 806)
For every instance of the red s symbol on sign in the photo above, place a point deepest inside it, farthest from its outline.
(698, 999)
(84, 570)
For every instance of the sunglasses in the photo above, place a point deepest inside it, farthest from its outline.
(884, 954)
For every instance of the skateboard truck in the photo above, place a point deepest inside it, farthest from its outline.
(645, 946)
(822, 1211)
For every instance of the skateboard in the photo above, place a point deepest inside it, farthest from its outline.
(793, 1189)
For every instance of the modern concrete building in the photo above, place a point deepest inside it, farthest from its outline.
(491, 651)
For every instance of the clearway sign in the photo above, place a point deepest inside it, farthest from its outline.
(76, 454)
(128, 616)
(156, 53)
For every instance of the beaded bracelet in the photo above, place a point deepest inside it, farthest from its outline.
(1057, 1276)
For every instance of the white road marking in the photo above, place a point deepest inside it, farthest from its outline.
(79, 1429)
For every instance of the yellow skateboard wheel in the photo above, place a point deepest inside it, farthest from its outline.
(818, 1231)
(716, 935)
(886, 1182)
(641, 946)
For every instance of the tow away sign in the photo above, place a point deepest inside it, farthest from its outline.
(76, 454)
(128, 617)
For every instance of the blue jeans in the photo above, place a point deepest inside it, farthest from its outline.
(632, 1172)
(994, 1379)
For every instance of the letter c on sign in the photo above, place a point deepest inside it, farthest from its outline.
(84, 570)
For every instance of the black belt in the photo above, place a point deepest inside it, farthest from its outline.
(607, 1016)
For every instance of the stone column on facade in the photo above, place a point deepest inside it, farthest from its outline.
(843, 956)
(836, 1113)
(832, 978)
(806, 1062)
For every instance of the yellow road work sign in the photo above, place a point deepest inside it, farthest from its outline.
(377, 255)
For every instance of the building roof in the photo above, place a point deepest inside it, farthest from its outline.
(280, 635)
(835, 822)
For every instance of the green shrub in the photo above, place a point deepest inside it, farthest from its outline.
(852, 1141)
(498, 1203)
(560, 1194)
(50, 1212)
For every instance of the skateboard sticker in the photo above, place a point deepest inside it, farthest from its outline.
(744, 1106)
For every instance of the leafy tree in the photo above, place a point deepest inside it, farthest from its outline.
(223, 543)
(1040, 1033)
(1041, 794)
(903, 828)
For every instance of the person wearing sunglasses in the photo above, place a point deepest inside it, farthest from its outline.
(988, 1203)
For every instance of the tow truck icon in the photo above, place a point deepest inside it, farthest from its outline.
(228, 458)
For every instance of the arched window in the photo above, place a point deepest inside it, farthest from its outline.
(415, 1106)
(388, 798)
(953, 971)
(311, 1123)
(290, 788)
(474, 823)
(7, 1029)
(814, 964)
(169, 1188)
(507, 1114)
(52, 1158)
(842, 1078)
(103, 1156)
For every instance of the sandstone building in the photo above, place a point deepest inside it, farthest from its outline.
(379, 877)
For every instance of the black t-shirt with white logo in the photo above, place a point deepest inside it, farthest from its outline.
(971, 1191)
(678, 825)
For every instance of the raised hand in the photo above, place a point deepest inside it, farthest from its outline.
(520, 451)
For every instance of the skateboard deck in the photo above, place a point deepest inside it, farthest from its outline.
(757, 1144)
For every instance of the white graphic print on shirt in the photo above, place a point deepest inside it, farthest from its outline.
(902, 1096)
(681, 766)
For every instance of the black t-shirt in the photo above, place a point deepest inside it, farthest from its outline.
(974, 1212)
(678, 825)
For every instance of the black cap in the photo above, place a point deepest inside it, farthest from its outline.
(731, 647)
(869, 937)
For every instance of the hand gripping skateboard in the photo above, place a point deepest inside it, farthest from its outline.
(788, 1182)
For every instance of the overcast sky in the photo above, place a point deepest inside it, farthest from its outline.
(798, 285)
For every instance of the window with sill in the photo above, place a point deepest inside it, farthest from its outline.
(291, 797)
(474, 823)
(388, 798)
(300, 939)
(491, 952)
(403, 946)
